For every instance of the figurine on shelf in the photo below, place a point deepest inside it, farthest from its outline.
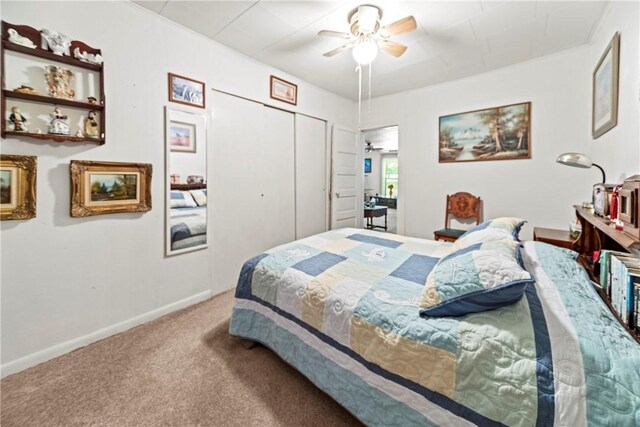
(79, 133)
(59, 124)
(60, 82)
(87, 57)
(91, 127)
(18, 120)
(57, 42)
(92, 100)
(25, 89)
(16, 38)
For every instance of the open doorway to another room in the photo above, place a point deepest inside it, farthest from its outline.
(381, 180)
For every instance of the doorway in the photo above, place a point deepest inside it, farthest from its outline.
(382, 186)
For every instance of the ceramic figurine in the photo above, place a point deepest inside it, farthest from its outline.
(60, 82)
(57, 42)
(59, 123)
(92, 100)
(79, 133)
(91, 127)
(25, 89)
(18, 120)
(16, 38)
(87, 57)
(38, 131)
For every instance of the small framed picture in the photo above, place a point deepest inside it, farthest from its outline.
(284, 91)
(184, 90)
(17, 187)
(109, 187)
(182, 137)
(605, 90)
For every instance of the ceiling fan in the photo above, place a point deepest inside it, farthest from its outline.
(369, 148)
(367, 35)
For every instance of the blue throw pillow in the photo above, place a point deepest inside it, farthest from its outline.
(480, 277)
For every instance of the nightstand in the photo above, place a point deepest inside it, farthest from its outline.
(560, 238)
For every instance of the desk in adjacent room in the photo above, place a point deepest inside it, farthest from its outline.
(376, 212)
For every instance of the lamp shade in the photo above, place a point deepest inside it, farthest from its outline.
(577, 160)
(580, 160)
(365, 51)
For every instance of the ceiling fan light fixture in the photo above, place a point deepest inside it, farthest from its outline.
(365, 51)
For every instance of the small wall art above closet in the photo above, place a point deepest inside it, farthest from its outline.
(52, 87)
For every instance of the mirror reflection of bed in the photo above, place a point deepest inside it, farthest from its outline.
(188, 215)
(186, 174)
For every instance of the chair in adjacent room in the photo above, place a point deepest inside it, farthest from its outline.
(460, 205)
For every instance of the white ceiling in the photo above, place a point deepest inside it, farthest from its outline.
(454, 39)
(385, 138)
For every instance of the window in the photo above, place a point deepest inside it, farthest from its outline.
(390, 177)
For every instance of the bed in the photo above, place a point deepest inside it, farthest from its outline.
(188, 227)
(342, 307)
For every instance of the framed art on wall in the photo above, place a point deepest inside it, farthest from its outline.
(498, 133)
(182, 137)
(17, 187)
(605, 90)
(184, 90)
(109, 187)
(284, 91)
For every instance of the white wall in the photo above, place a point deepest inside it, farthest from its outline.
(68, 281)
(539, 189)
(618, 151)
(372, 181)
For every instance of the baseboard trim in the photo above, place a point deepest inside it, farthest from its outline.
(57, 350)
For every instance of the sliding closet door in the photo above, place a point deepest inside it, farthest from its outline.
(276, 166)
(311, 196)
(236, 219)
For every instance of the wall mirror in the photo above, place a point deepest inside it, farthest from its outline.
(186, 181)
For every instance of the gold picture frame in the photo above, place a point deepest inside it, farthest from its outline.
(604, 92)
(109, 187)
(18, 186)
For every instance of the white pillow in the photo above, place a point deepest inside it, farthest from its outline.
(182, 199)
(200, 196)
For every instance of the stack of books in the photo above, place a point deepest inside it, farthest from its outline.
(620, 279)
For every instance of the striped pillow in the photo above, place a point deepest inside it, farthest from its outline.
(182, 199)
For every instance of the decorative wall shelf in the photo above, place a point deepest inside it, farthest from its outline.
(36, 38)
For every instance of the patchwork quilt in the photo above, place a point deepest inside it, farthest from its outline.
(342, 307)
(188, 227)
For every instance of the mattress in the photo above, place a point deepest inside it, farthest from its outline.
(342, 308)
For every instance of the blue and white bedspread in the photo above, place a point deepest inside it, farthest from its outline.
(188, 227)
(342, 308)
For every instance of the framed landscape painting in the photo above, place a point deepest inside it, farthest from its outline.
(184, 90)
(17, 187)
(109, 187)
(605, 90)
(182, 137)
(499, 133)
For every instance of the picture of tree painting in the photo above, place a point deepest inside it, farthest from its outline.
(499, 133)
(113, 187)
(5, 187)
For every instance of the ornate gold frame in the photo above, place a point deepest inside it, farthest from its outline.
(80, 207)
(26, 192)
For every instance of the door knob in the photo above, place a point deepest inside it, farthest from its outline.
(337, 194)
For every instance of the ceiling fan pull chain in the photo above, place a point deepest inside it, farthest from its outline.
(359, 70)
(369, 104)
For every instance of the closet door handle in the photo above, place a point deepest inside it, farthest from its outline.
(337, 195)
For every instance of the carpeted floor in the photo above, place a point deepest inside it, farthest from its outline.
(181, 370)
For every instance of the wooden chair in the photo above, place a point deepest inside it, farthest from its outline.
(461, 206)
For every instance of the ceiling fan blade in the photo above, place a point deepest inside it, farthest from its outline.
(338, 50)
(329, 33)
(392, 48)
(402, 26)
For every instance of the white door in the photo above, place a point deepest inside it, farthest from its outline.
(311, 179)
(347, 177)
(276, 212)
